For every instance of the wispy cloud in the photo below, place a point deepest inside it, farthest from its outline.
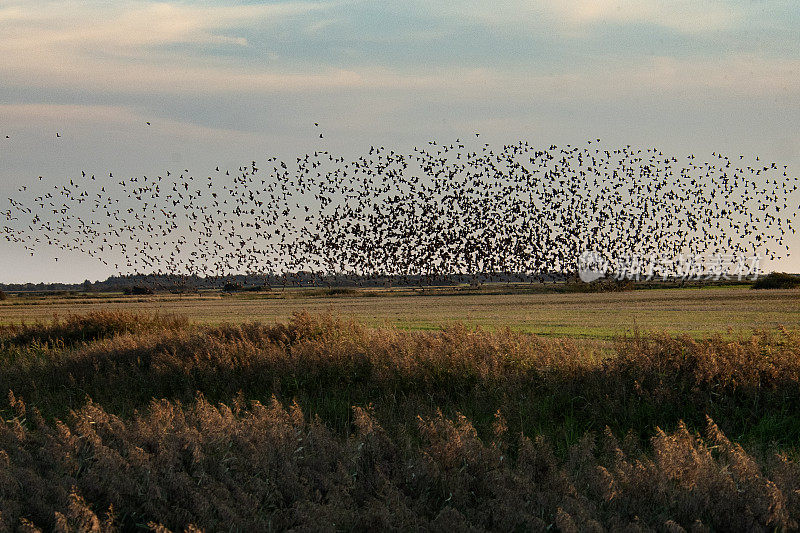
(140, 47)
(125, 27)
(108, 74)
(689, 16)
(572, 16)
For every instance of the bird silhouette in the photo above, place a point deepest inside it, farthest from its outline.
(451, 212)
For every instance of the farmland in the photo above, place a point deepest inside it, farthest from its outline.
(698, 312)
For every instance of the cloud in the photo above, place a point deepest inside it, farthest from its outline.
(108, 74)
(688, 16)
(741, 75)
(320, 25)
(124, 28)
(130, 47)
(135, 47)
(571, 17)
(737, 76)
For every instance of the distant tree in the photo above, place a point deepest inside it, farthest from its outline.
(137, 290)
(87, 286)
(777, 280)
(3, 295)
(232, 286)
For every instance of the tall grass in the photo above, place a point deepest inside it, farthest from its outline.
(73, 329)
(117, 422)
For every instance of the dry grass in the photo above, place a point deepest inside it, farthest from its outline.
(73, 328)
(120, 422)
(698, 312)
(266, 467)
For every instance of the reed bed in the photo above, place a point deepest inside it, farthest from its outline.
(123, 422)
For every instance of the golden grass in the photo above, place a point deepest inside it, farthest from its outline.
(119, 422)
(697, 312)
(266, 467)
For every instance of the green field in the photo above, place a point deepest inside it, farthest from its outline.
(695, 311)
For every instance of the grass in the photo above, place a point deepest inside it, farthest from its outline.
(697, 312)
(122, 421)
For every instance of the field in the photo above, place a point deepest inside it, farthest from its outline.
(663, 410)
(697, 311)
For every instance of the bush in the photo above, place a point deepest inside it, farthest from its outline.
(341, 291)
(3, 296)
(137, 290)
(605, 285)
(777, 280)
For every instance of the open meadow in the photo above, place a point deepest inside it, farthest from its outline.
(698, 312)
(393, 412)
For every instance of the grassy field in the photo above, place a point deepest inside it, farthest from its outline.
(697, 312)
(133, 422)
(647, 410)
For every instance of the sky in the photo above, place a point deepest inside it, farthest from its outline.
(222, 83)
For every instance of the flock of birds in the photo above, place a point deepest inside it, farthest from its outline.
(457, 209)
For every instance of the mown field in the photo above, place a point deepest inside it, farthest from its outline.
(118, 421)
(696, 311)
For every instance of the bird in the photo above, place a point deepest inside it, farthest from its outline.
(448, 212)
